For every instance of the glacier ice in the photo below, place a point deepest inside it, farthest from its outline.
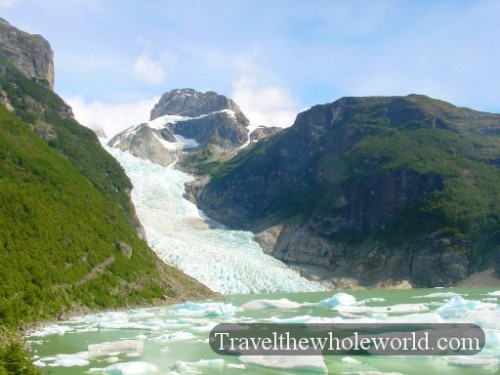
(227, 261)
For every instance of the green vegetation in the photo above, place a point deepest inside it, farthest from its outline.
(64, 210)
(391, 170)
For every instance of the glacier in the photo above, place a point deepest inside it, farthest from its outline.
(227, 261)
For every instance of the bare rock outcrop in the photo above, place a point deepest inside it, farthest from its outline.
(31, 54)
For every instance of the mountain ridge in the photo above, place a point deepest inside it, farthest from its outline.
(371, 175)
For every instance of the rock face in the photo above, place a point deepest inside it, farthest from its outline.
(186, 120)
(31, 54)
(383, 189)
(191, 103)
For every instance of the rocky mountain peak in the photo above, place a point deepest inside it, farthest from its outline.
(192, 103)
(31, 54)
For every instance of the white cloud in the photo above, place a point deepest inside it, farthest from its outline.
(111, 117)
(264, 105)
(153, 71)
(7, 3)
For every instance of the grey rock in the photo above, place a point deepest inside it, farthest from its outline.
(263, 132)
(125, 249)
(192, 103)
(145, 143)
(31, 54)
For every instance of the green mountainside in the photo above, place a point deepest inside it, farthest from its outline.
(69, 238)
(380, 189)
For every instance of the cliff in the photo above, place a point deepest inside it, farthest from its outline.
(69, 237)
(31, 54)
(383, 190)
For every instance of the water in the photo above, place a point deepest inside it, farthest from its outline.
(175, 338)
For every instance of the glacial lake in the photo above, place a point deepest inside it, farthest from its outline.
(174, 339)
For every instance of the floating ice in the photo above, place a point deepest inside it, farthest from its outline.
(351, 361)
(369, 300)
(260, 304)
(227, 261)
(115, 346)
(394, 309)
(457, 308)
(69, 362)
(190, 367)
(236, 366)
(439, 295)
(127, 368)
(495, 293)
(53, 329)
(474, 362)
(207, 309)
(339, 299)
(309, 363)
(174, 336)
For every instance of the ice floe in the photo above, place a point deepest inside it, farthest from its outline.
(126, 368)
(260, 304)
(309, 363)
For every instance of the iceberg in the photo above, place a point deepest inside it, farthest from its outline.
(339, 299)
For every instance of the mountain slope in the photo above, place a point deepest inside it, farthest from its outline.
(379, 189)
(69, 238)
(205, 125)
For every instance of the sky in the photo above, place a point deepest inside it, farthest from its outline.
(275, 58)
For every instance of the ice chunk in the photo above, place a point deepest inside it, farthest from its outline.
(174, 336)
(495, 293)
(54, 329)
(369, 300)
(474, 361)
(207, 309)
(310, 363)
(339, 299)
(115, 346)
(457, 307)
(439, 295)
(236, 366)
(351, 361)
(260, 304)
(190, 367)
(39, 363)
(69, 362)
(127, 368)
(394, 309)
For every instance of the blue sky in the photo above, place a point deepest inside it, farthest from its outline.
(114, 58)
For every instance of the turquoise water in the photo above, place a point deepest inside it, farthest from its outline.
(174, 339)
